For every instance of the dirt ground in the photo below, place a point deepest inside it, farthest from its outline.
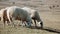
(49, 11)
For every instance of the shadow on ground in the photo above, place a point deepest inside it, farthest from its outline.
(47, 29)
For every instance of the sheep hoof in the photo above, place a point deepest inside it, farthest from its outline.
(41, 24)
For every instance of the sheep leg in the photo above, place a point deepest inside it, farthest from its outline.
(41, 24)
(24, 23)
(35, 23)
(8, 22)
(4, 22)
(12, 22)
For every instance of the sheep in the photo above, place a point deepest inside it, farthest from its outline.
(3, 15)
(15, 11)
(34, 15)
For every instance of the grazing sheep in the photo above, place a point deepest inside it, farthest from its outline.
(34, 15)
(15, 11)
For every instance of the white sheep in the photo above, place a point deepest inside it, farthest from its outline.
(34, 15)
(23, 15)
(3, 13)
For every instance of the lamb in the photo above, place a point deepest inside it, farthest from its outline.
(34, 15)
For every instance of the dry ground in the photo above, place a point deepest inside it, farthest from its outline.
(49, 11)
